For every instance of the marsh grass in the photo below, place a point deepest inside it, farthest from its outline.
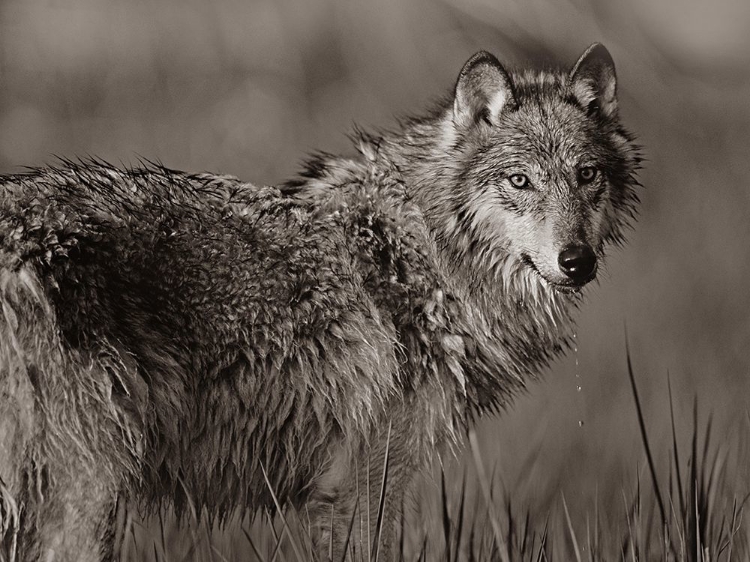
(692, 510)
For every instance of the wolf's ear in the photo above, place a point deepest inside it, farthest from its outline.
(593, 81)
(482, 91)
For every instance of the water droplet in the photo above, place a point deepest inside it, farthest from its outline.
(579, 386)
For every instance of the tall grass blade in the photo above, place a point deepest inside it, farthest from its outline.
(330, 535)
(250, 541)
(349, 533)
(217, 551)
(124, 553)
(698, 545)
(543, 542)
(628, 544)
(277, 538)
(524, 546)
(135, 539)
(446, 516)
(402, 533)
(381, 502)
(161, 532)
(511, 527)
(208, 543)
(595, 551)
(675, 451)
(483, 482)
(423, 550)
(692, 527)
(460, 524)
(369, 523)
(295, 546)
(359, 509)
(644, 437)
(571, 531)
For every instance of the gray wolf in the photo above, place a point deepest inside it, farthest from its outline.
(168, 338)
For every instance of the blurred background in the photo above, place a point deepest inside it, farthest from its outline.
(249, 87)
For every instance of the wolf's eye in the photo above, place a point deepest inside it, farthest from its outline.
(519, 181)
(587, 174)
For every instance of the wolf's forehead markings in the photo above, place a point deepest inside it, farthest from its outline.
(547, 151)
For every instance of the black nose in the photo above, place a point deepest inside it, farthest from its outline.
(577, 262)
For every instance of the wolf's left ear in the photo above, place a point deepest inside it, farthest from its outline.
(483, 90)
(593, 81)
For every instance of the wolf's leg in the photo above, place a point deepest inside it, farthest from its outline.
(80, 466)
(345, 509)
(71, 523)
(73, 427)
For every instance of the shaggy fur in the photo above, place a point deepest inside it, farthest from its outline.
(168, 337)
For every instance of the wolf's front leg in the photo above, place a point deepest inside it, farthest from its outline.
(357, 502)
(71, 525)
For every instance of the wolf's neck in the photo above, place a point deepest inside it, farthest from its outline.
(425, 153)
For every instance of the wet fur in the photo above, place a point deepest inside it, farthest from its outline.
(167, 337)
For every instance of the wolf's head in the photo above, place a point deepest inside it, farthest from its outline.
(532, 173)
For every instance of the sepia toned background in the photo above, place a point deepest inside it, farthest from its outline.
(249, 87)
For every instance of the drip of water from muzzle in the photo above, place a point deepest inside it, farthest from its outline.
(579, 385)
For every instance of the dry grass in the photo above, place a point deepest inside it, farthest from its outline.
(692, 511)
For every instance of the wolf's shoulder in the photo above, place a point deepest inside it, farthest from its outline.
(384, 229)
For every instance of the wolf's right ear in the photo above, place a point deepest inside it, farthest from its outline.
(593, 80)
(483, 90)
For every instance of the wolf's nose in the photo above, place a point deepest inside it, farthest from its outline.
(577, 262)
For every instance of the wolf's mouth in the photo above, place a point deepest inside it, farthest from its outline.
(568, 286)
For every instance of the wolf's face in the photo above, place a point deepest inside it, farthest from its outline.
(548, 191)
(548, 174)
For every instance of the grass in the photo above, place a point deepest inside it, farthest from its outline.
(693, 510)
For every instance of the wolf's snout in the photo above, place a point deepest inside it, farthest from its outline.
(577, 262)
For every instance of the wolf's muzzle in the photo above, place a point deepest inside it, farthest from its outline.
(578, 263)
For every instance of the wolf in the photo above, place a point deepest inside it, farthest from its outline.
(196, 341)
